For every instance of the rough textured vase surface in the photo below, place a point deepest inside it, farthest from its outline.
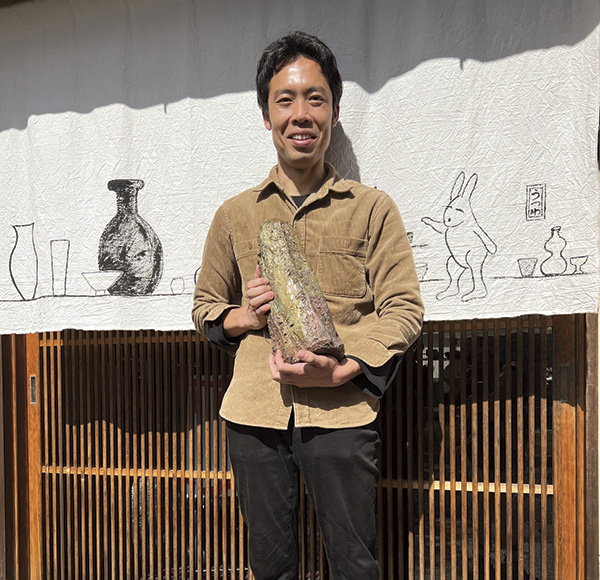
(299, 318)
(555, 264)
(129, 244)
(23, 262)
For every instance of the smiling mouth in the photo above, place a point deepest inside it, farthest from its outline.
(301, 137)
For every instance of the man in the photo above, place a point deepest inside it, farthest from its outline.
(319, 415)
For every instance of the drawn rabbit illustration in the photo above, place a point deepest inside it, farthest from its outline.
(469, 245)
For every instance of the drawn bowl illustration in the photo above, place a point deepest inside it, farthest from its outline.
(578, 262)
(101, 280)
(421, 270)
(527, 266)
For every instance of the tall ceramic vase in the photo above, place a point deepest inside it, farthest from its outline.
(129, 244)
(555, 264)
(23, 262)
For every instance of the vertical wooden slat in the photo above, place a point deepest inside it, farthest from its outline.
(126, 447)
(452, 429)
(520, 451)
(508, 394)
(113, 500)
(409, 462)
(200, 456)
(430, 453)
(92, 454)
(207, 432)
(486, 449)
(81, 392)
(531, 404)
(399, 408)
(420, 452)
(387, 549)
(442, 458)
(474, 450)
(463, 447)
(497, 452)
(56, 523)
(145, 401)
(544, 448)
(191, 461)
(66, 426)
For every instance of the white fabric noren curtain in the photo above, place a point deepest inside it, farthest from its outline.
(475, 108)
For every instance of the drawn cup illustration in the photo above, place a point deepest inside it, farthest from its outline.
(468, 243)
(177, 285)
(578, 262)
(59, 262)
(421, 268)
(527, 266)
(23, 262)
(129, 244)
(101, 280)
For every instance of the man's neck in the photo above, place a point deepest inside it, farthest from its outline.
(301, 181)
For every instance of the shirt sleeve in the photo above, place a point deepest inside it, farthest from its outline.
(376, 380)
(392, 277)
(218, 287)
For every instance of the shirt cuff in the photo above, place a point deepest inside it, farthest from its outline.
(214, 331)
(376, 380)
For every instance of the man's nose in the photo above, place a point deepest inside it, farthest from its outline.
(301, 112)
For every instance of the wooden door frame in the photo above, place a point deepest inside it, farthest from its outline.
(578, 402)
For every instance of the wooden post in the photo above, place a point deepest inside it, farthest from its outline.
(565, 446)
(591, 447)
(34, 461)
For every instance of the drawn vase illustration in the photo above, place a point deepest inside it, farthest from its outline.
(130, 245)
(555, 264)
(23, 262)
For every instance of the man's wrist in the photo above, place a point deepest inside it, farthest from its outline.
(346, 370)
(234, 323)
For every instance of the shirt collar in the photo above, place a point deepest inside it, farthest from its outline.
(333, 182)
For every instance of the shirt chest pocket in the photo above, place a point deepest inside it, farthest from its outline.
(341, 269)
(246, 256)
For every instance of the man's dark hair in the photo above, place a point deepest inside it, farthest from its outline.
(289, 48)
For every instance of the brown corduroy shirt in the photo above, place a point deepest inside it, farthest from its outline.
(356, 242)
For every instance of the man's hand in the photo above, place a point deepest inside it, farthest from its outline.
(313, 370)
(252, 316)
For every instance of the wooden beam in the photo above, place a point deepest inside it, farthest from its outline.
(565, 446)
(591, 447)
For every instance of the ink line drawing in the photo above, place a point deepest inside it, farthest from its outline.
(555, 264)
(130, 245)
(468, 243)
(535, 206)
(101, 280)
(59, 265)
(578, 262)
(23, 262)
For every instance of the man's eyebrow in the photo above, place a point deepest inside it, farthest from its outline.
(287, 91)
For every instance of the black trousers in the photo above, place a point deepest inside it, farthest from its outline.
(340, 471)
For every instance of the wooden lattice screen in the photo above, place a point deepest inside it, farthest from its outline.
(482, 464)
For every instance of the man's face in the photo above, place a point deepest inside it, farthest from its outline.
(301, 114)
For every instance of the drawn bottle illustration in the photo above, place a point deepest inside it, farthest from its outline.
(23, 262)
(555, 264)
(129, 244)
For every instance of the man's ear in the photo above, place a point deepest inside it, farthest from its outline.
(336, 116)
(266, 120)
